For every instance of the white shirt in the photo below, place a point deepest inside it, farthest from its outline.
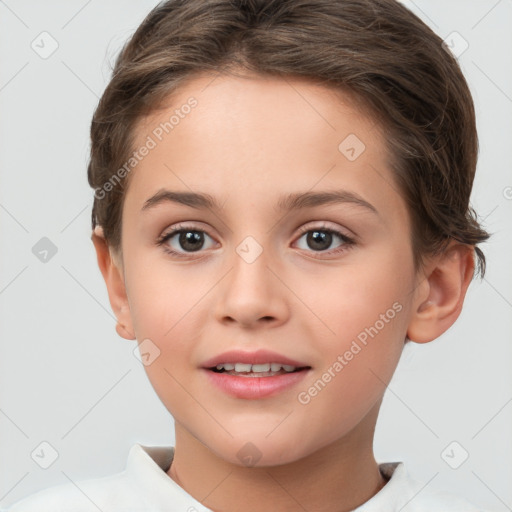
(144, 486)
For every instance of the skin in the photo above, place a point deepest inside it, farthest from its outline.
(249, 141)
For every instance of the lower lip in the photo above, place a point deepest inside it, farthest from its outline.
(255, 387)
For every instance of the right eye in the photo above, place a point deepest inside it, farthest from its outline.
(186, 238)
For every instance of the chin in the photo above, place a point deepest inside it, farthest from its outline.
(259, 450)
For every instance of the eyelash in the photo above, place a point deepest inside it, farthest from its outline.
(348, 242)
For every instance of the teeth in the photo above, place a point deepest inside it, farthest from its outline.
(243, 367)
(226, 366)
(261, 367)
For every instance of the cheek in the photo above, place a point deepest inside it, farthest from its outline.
(357, 363)
(160, 297)
(372, 292)
(168, 313)
(169, 308)
(366, 312)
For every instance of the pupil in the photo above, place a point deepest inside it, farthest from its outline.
(319, 237)
(191, 237)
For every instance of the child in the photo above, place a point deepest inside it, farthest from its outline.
(258, 130)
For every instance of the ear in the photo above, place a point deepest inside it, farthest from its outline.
(440, 296)
(111, 269)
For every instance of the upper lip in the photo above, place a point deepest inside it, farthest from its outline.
(256, 357)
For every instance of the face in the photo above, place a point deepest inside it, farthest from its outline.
(327, 284)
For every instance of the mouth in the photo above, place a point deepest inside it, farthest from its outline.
(256, 370)
(254, 375)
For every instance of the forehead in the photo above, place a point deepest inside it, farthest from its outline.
(225, 103)
(254, 137)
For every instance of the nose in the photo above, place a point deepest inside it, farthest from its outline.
(251, 294)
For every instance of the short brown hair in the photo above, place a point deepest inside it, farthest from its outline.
(377, 50)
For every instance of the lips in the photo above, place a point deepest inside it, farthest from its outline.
(255, 357)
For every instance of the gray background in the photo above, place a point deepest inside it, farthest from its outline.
(67, 379)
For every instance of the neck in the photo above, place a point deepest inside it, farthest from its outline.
(337, 477)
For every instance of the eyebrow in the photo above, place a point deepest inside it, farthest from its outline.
(294, 201)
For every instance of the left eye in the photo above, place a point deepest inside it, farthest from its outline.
(320, 239)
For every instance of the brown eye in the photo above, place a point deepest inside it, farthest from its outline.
(322, 239)
(190, 240)
(319, 240)
(183, 240)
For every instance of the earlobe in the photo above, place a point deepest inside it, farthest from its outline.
(112, 275)
(124, 332)
(441, 295)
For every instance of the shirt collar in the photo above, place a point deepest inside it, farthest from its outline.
(147, 468)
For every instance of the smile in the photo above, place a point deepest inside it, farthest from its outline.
(254, 370)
